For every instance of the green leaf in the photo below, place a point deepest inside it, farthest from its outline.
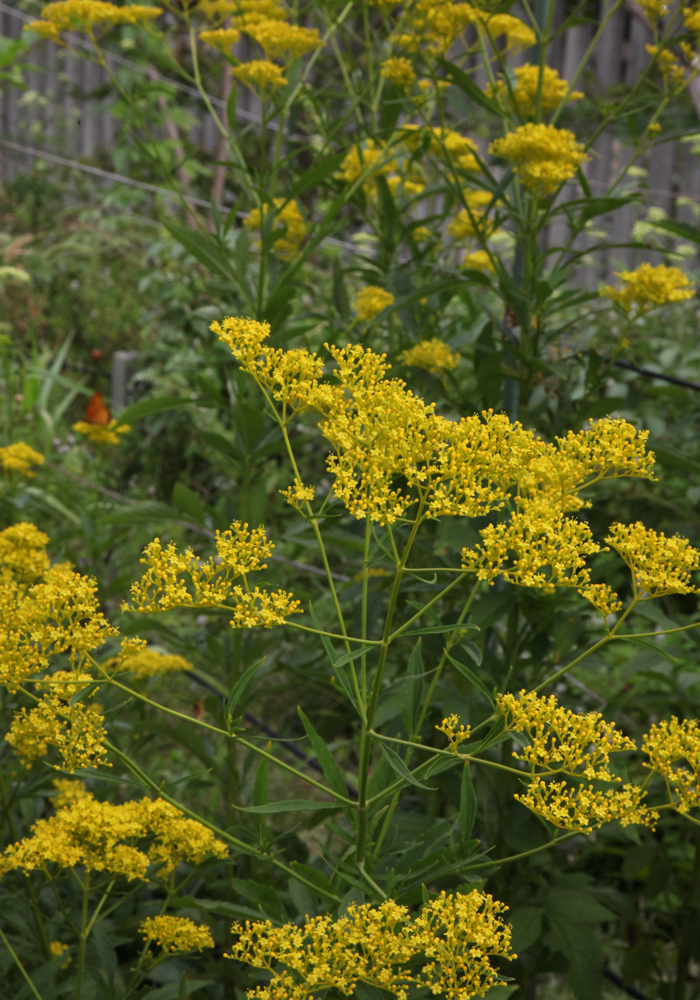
(316, 175)
(438, 629)
(240, 687)
(467, 804)
(205, 249)
(148, 406)
(395, 762)
(354, 654)
(332, 772)
(468, 87)
(286, 806)
(526, 922)
(186, 499)
(682, 229)
(261, 788)
(471, 676)
(654, 646)
(172, 990)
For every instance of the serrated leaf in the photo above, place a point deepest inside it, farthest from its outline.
(395, 762)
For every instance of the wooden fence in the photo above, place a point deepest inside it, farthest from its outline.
(64, 111)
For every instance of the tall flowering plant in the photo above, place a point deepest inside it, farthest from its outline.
(374, 874)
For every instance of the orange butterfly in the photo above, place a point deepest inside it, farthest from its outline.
(96, 411)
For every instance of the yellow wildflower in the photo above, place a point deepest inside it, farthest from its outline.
(450, 146)
(243, 12)
(654, 9)
(102, 837)
(479, 260)
(178, 579)
(176, 935)
(602, 597)
(649, 287)
(691, 19)
(260, 73)
(20, 458)
(432, 355)
(58, 949)
(583, 809)
(23, 555)
(368, 158)
(454, 735)
(522, 94)
(453, 935)
(562, 741)
(101, 433)
(150, 663)
(673, 749)
(83, 15)
(384, 6)
(518, 34)
(399, 71)
(222, 39)
(659, 564)
(543, 157)
(669, 65)
(287, 218)
(276, 37)
(538, 547)
(472, 220)
(431, 26)
(371, 301)
(298, 494)
(57, 614)
(290, 376)
(75, 730)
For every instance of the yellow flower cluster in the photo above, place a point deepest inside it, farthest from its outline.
(221, 38)
(455, 936)
(368, 158)
(75, 730)
(371, 301)
(261, 73)
(391, 452)
(150, 663)
(659, 564)
(433, 356)
(584, 809)
(123, 840)
(670, 66)
(276, 38)
(176, 935)
(691, 20)
(101, 433)
(562, 741)
(472, 220)
(537, 547)
(298, 494)
(83, 15)
(543, 157)
(649, 287)
(672, 743)
(521, 95)
(57, 949)
(179, 579)
(654, 9)
(57, 613)
(455, 736)
(265, 21)
(399, 71)
(286, 218)
(20, 458)
(449, 146)
(432, 26)
(479, 260)
(23, 555)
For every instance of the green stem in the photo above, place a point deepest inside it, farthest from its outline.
(19, 965)
(223, 834)
(231, 736)
(84, 931)
(525, 854)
